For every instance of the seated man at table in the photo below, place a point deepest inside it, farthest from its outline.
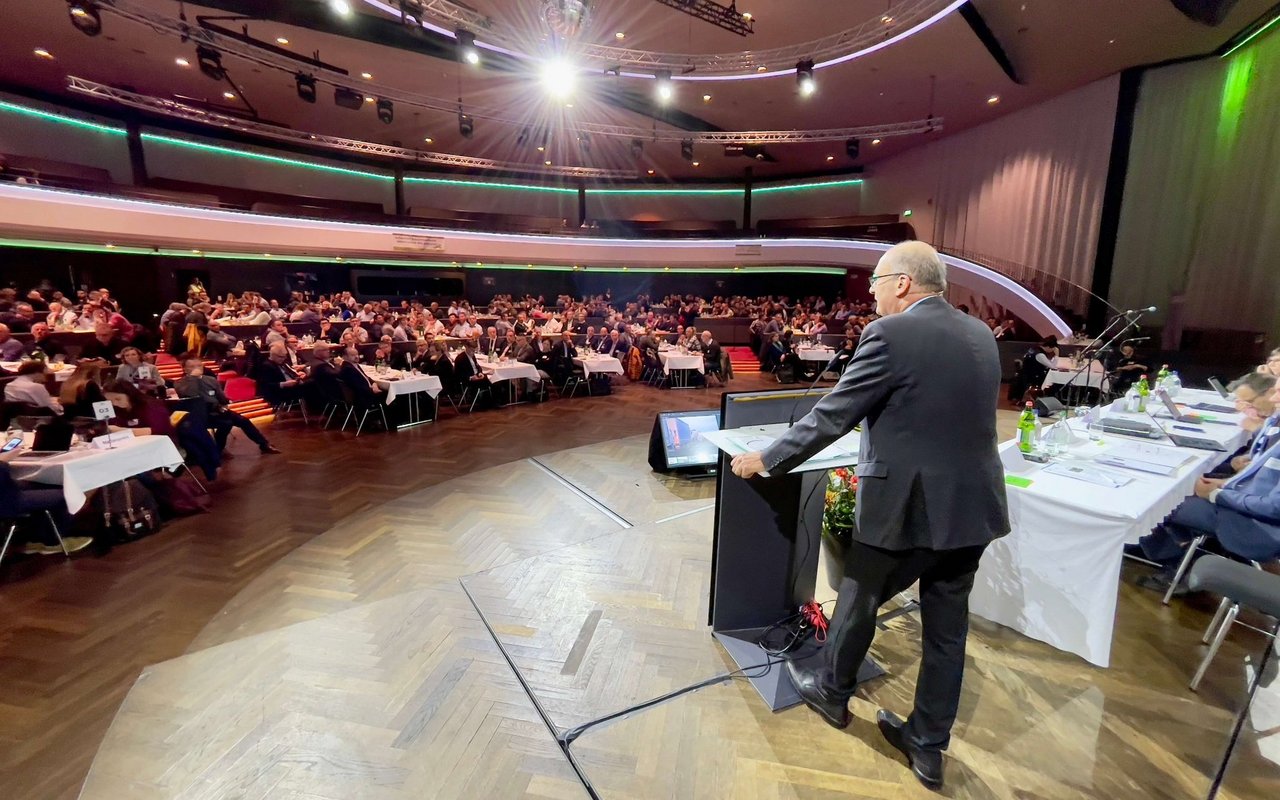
(10, 348)
(364, 391)
(509, 345)
(106, 344)
(490, 343)
(217, 342)
(321, 383)
(29, 389)
(562, 366)
(276, 332)
(195, 384)
(1240, 514)
(277, 381)
(41, 341)
(1126, 370)
(593, 340)
(711, 357)
(615, 346)
(32, 499)
(467, 368)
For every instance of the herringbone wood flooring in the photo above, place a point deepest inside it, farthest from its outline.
(74, 636)
(355, 667)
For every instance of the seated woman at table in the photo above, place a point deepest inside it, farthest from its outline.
(145, 377)
(146, 416)
(816, 326)
(82, 389)
(28, 389)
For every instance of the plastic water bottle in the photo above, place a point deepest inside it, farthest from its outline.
(1173, 384)
(1028, 424)
(1144, 390)
(1162, 376)
(1058, 438)
(1131, 400)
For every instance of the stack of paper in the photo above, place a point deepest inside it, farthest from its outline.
(1144, 458)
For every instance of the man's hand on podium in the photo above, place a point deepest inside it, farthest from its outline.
(748, 464)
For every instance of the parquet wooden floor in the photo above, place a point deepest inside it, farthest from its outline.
(74, 636)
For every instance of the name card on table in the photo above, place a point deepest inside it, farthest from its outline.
(103, 410)
(111, 439)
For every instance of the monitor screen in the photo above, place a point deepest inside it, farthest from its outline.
(682, 437)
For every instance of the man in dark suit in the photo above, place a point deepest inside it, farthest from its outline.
(924, 385)
(277, 382)
(562, 358)
(509, 347)
(195, 385)
(491, 343)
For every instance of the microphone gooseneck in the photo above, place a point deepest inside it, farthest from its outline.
(791, 419)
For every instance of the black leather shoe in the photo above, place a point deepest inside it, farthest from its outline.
(834, 711)
(926, 765)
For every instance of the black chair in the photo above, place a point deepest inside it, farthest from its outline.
(364, 409)
(1239, 584)
(17, 505)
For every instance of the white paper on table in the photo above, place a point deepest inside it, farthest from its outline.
(1088, 474)
(1143, 457)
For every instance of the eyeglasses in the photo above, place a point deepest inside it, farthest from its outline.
(872, 280)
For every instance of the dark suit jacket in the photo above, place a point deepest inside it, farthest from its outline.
(269, 376)
(490, 346)
(354, 379)
(924, 384)
(205, 387)
(464, 369)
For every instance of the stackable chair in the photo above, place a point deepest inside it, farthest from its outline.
(1240, 585)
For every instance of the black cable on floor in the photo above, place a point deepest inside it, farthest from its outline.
(569, 736)
(1267, 657)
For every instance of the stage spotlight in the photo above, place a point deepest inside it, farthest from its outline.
(340, 7)
(386, 112)
(686, 149)
(306, 87)
(347, 98)
(523, 137)
(467, 50)
(85, 17)
(210, 61)
(559, 77)
(466, 125)
(804, 78)
(852, 147)
(637, 148)
(666, 90)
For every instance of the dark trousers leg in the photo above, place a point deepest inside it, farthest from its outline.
(871, 577)
(944, 617)
(226, 420)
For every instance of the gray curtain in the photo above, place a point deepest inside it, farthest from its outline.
(1200, 220)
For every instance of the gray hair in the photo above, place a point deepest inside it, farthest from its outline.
(919, 261)
(1259, 382)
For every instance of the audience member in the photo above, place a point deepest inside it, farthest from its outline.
(194, 384)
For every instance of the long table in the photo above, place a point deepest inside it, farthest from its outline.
(395, 383)
(83, 469)
(1055, 577)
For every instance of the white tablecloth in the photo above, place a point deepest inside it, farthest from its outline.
(673, 359)
(87, 468)
(823, 354)
(1066, 372)
(600, 364)
(398, 384)
(59, 375)
(1055, 577)
(509, 370)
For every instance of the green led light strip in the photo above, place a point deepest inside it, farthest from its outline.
(491, 185)
(50, 116)
(1253, 36)
(289, 162)
(385, 262)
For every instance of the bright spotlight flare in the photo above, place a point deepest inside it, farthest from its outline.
(666, 89)
(467, 50)
(559, 77)
(340, 7)
(804, 78)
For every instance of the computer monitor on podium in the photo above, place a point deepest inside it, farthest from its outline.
(677, 444)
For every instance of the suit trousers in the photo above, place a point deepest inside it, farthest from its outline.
(871, 577)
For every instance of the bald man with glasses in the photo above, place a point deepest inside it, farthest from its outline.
(924, 384)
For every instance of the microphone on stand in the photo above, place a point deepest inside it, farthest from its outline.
(1147, 310)
(791, 420)
(1137, 339)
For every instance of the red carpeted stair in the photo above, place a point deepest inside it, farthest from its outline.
(743, 360)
